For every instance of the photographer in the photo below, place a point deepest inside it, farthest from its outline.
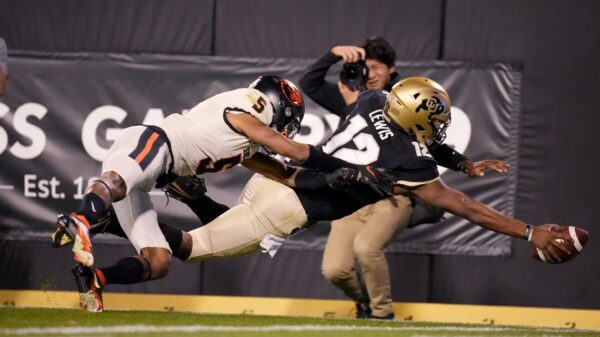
(362, 236)
(339, 98)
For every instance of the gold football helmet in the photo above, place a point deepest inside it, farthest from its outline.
(421, 107)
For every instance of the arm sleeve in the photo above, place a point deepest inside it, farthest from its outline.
(447, 157)
(309, 179)
(323, 162)
(324, 93)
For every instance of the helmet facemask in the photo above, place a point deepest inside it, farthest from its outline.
(291, 129)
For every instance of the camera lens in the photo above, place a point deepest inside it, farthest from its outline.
(355, 75)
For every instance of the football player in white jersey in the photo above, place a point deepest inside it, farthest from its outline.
(217, 134)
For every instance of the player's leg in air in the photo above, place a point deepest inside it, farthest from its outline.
(131, 168)
(189, 190)
(91, 280)
(92, 209)
(133, 163)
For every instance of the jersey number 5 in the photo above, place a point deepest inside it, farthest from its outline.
(260, 104)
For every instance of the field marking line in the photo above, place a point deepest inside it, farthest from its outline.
(271, 328)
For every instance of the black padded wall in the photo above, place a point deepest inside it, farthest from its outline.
(308, 28)
(241, 28)
(132, 26)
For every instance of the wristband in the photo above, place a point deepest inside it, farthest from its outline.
(462, 166)
(528, 233)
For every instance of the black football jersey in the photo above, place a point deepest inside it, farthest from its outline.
(365, 138)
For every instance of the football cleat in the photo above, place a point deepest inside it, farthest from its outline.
(76, 227)
(90, 288)
(60, 238)
(186, 188)
(363, 311)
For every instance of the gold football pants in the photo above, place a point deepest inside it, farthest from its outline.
(265, 207)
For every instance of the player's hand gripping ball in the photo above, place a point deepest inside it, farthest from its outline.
(575, 244)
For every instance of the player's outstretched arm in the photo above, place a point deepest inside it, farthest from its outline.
(305, 154)
(311, 179)
(438, 194)
(266, 136)
(448, 157)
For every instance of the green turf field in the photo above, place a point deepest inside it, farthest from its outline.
(64, 322)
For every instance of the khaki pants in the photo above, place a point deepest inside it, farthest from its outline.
(362, 236)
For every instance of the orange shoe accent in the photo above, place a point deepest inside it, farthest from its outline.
(82, 219)
(85, 240)
(82, 247)
(100, 276)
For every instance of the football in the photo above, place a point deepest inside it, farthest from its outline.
(578, 240)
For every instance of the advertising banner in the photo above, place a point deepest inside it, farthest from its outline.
(61, 113)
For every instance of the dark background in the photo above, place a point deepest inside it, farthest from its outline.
(556, 42)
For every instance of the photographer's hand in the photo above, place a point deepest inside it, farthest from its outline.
(349, 54)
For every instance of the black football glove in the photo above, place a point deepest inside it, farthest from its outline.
(342, 177)
(186, 188)
(379, 180)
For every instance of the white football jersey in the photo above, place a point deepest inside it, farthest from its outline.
(203, 141)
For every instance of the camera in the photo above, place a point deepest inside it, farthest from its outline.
(355, 75)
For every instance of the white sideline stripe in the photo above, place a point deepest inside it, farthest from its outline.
(76, 330)
(575, 238)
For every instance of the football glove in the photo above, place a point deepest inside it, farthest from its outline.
(185, 188)
(379, 180)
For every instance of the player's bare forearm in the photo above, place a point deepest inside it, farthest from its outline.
(271, 168)
(273, 140)
(487, 217)
(458, 203)
(453, 201)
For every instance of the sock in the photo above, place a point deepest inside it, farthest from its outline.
(126, 271)
(173, 236)
(92, 207)
(205, 208)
